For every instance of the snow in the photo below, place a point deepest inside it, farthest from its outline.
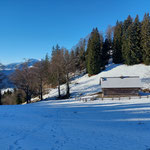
(76, 125)
(90, 85)
(121, 82)
(72, 125)
(6, 90)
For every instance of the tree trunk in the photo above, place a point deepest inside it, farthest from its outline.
(67, 86)
(27, 96)
(59, 95)
(41, 92)
(41, 89)
(58, 75)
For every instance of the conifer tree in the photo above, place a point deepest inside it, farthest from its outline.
(145, 38)
(127, 23)
(105, 52)
(135, 42)
(94, 61)
(126, 47)
(117, 43)
(82, 55)
(126, 40)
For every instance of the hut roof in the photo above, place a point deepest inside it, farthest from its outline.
(121, 82)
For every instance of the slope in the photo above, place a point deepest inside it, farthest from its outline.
(90, 85)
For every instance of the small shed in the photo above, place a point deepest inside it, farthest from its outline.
(120, 86)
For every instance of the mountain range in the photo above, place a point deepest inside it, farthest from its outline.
(7, 70)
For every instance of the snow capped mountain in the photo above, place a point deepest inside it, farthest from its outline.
(7, 70)
(19, 65)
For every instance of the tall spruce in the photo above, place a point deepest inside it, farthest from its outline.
(145, 38)
(126, 47)
(82, 54)
(117, 43)
(94, 61)
(126, 40)
(135, 42)
(105, 51)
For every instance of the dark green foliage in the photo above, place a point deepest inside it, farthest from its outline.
(136, 41)
(117, 43)
(126, 32)
(105, 52)
(94, 60)
(145, 39)
(80, 55)
(126, 47)
(131, 47)
(19, 98)
(127, 23)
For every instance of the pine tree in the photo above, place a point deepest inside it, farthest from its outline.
(127, 23)
(126, 40)
(126, 47)
(135, 42)
(94, 61)
(145, 38)
(117, 43)
(82, 55)
(105, 52)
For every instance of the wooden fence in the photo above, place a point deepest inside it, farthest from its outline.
(92, 98)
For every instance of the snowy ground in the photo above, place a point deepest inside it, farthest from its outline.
(89, 85)
(74, 125)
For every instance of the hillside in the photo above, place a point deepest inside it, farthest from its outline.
(75, 125)
(90, 85)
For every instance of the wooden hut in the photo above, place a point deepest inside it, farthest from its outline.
(120, 86)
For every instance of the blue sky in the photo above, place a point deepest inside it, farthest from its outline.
(29, 28)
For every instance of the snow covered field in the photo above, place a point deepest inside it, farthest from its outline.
(74, 125)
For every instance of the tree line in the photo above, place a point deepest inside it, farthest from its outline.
(57, 69)
(127, 42)
(131, 41)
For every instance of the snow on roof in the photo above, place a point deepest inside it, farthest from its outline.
(121, 82)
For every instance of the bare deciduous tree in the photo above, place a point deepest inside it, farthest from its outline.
(67, 65)
(41, 76)
(57, 62)
(25, 80)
